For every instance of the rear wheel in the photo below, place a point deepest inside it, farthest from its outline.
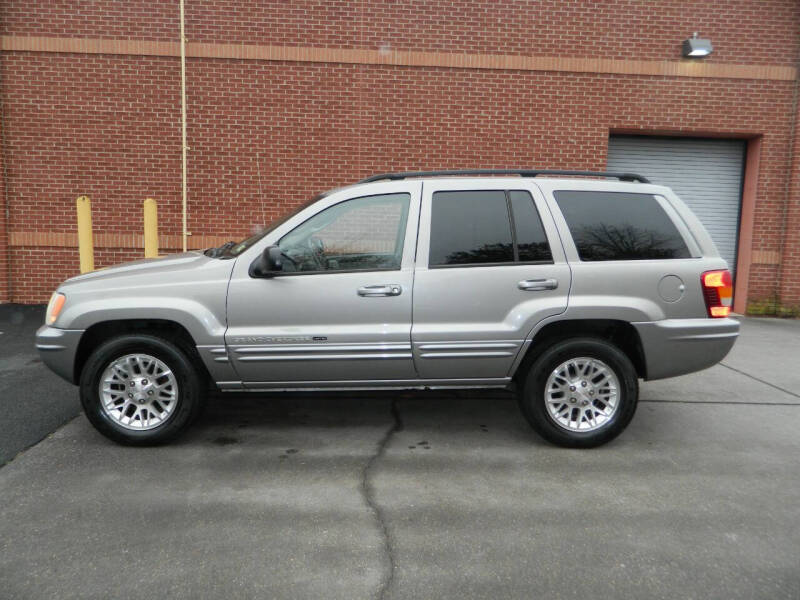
(141, 390)
(580, 393)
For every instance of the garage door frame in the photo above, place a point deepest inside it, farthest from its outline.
(749, 193)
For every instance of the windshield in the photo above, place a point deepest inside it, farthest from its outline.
(237, 249)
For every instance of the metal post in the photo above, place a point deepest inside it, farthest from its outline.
(184, 148)
(150, 228)
(85, 242)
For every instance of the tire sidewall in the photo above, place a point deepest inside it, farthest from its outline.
(189, 388)
(533, 403)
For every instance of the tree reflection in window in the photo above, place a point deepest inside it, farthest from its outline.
(488, 253)
(474, 227)
(627, 242)
(620, 226)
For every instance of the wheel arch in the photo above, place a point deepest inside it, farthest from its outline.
(620, 333)
(103, 331)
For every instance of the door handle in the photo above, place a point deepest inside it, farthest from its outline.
(537, 285)
(385, 289)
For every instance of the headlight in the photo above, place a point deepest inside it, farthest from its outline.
(54, 307)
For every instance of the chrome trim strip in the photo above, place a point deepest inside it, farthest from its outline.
(520, 355)
(279, 348)
(49, 347)
(301, 357)
(467, 345)
(229, 385)
(465, 354)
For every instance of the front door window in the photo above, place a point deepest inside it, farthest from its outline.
(362, 234)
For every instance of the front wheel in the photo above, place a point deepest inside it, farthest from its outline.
(580, 393)
(140, 390)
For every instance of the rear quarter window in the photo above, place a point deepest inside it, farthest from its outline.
(620, 226)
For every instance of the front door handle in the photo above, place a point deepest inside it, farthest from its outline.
(537, 285)
(385, 289)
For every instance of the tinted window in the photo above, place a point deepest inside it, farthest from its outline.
(470, 228)
(531, 239)
(620, 226)
(359, 234)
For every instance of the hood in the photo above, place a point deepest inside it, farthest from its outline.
(163, 267)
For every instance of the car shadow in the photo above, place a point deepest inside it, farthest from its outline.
(230, 417)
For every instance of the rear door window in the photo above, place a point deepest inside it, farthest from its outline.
(485, 227)
(531, 240)
(620, 226)
(470, 228)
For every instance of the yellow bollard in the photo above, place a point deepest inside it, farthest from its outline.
(150, 228)
(85, 241)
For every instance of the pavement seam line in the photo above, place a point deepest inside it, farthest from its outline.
(754, 378)
(39, 441)
(719, 402)
(368, 491)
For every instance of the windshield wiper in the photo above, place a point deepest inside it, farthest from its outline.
(219, 251)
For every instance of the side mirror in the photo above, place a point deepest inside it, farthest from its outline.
(269, 264)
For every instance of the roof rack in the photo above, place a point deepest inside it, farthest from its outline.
(520, 172)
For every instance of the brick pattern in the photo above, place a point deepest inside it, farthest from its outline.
(743, 31)
(672, 68)
(5, 291)
(56, 239)
(788, 296)
(365, 229)
(265, 134)
(766, 257)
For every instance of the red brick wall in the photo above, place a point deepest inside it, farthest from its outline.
(265, 135)
(789, 272)
(743, 31)
(5, 292)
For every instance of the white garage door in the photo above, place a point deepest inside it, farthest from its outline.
(705, 173)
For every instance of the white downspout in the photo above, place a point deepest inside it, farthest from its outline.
(184, 147)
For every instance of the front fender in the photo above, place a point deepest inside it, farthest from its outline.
(204, 324)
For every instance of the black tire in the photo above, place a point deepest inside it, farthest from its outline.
(190, 380)
(532, 399)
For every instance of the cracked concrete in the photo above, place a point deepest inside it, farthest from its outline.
(425, 496)
(368, 489)
(259, 500)
(758, 379)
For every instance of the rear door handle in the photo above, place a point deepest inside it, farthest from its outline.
(537, 285)
(385, 289)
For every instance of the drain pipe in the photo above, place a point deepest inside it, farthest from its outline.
(184, 148)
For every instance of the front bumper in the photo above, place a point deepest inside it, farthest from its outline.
(58, 348)
(679, 346)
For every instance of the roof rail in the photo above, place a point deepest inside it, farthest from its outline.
(520, 172)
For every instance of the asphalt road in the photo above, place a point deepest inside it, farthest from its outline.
(422, 496)
(33, 401)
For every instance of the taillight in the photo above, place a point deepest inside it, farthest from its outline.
(718, 292)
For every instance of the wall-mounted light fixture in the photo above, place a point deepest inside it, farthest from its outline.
(696, 47)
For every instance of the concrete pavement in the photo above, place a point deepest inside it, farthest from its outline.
(33, 401)
(427, 496)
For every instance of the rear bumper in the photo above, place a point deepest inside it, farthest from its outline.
(58, 348)
(679, 346)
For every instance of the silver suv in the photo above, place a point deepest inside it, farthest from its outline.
(567, 290)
